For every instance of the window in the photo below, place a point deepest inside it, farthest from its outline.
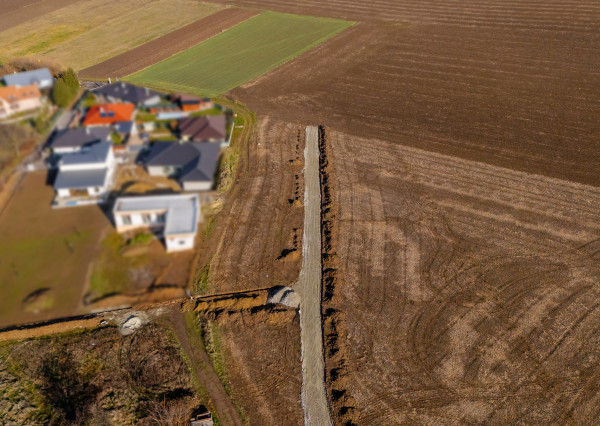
(126, 219)
(181, 242)
(146, 218)
(160, 218)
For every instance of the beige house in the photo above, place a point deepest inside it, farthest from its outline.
(15, 99)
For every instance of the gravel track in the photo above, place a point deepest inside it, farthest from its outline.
(314, 398)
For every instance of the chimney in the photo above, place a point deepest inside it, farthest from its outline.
(108, 80)
(87, 130)
(122, 85)
(147, 91)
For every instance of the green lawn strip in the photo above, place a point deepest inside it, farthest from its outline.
(111, 272)
(240, 54)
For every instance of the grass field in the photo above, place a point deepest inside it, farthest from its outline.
(42, 248)
(240, 54)
(91, 31)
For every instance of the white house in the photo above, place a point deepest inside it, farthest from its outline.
(85, 175)
(175, 217)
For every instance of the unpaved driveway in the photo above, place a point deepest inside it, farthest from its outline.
(206, 375)
(314, 398)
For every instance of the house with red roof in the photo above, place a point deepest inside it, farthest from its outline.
(109, 114)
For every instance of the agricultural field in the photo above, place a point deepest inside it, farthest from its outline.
(240, 54)
(467, 293)
(88, 32)
(163, 47)
(45, 254)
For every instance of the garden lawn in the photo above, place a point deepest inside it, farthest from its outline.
(44, 248)
(239, 54)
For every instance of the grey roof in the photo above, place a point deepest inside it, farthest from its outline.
(77, 138)
(203, 128)
(78, 179)
(198, 161)
(124, 126)
(127, 92)
(96, 153)
(26, 78)
(182, 211)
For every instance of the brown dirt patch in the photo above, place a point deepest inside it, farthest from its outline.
(15, 12)
(259, 220)
(163, 47)
(262, 352)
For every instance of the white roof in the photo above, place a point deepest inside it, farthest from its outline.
(182, 211)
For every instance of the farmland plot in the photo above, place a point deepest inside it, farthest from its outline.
(87, 32)
(469, 292)
(240, 54)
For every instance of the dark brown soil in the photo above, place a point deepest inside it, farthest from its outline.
(163, 47)
(263, 363)
(461, 281)
(262, 217)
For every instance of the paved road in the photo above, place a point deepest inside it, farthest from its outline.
(64, 120)
(314, 397)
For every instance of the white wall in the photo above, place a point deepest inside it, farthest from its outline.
(64, 193)
(153, 101)
(175, 243)
(197, 186)
(28, 104)
(156, 170)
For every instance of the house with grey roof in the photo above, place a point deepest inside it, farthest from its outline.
(126, 92)
(175, 217)
(209, 128)
(40, 77)
(72, 140)
(193, 164)
(85, 176)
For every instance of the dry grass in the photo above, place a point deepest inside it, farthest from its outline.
(91, 31)
(44, 248)
(135, 180)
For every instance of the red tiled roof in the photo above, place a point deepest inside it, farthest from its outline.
(106, 114)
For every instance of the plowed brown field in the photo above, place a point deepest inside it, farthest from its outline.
(168, 45)
(470, 292)
(523, 99)
(263, 365)
(257, 237)
(464, 149)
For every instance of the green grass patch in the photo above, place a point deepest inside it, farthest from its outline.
(240, 54)
(208, 111)
(36, 43)
(111, 272)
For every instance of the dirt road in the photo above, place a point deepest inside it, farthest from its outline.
(314, 398)
(206, 375)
